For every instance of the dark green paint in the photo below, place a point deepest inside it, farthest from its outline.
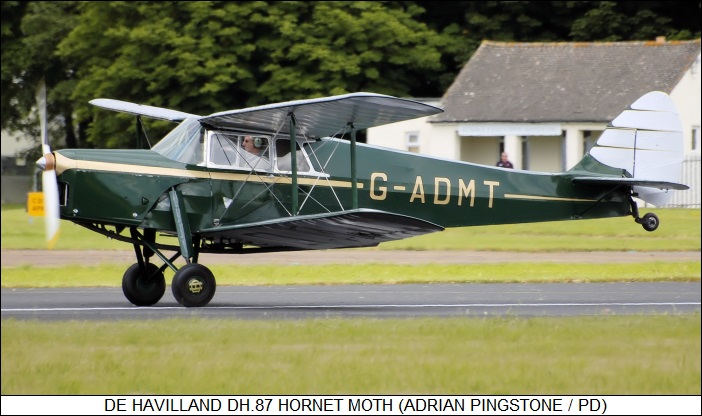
(142, 199)
(181, 223)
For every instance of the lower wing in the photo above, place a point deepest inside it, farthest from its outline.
(353, 228)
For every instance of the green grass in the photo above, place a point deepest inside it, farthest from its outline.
(628, 355)
(679, 231)
(111, 275)
(624, 355)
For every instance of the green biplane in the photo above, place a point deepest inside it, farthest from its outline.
(290, 176)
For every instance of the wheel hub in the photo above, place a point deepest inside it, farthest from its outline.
(195, 285)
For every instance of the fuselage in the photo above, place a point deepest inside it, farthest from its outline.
(130, 188)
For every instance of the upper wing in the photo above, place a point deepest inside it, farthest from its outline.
(326, 116)
(141, 110)
(354, 228)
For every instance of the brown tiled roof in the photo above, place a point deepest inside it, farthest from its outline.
(562, 82)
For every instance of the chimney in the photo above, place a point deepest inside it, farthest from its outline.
(660, 40)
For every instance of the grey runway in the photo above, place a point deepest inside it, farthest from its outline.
(373, 301)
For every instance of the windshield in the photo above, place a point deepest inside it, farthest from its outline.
(184, 143)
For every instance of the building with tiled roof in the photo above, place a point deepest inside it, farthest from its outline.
(546, 104)
(563, 82)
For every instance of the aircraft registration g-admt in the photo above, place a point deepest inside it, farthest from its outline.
(290, 176)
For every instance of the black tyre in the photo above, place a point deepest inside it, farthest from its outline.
(143, 288)
(650, 222)
(193, 285)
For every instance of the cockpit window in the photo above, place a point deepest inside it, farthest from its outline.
(184, 143)
(284, 162)
(241, 151)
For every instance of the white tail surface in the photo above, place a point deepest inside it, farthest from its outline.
(646, 140)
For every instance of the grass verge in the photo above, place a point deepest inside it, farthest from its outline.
(111, 275)
(620, 355)
(679, 231)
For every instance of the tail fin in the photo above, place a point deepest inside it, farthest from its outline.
(646, 142)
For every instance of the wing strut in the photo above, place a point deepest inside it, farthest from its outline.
(293, 160)
(354, 179)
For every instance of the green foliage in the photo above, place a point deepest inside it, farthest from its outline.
(618, 355)
(202, 57)
(208, 56)
(679, 230)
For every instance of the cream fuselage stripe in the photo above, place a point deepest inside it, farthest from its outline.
(64, 163)
(546, 198)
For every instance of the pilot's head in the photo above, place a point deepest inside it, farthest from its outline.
(252, 144)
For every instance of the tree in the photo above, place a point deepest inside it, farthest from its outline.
(207, 56)
(467, 23)
(31, 57)
(202, 57)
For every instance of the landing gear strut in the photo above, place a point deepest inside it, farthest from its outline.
(649, 222)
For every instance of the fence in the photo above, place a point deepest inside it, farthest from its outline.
(691, 176)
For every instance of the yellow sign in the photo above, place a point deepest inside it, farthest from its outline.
(35, 204)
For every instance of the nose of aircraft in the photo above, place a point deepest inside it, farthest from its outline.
(46, 162)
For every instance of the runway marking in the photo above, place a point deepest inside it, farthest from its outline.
(464, 305)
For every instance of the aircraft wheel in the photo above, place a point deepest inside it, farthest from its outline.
(193, 285)
(143, 288)
(650, 222)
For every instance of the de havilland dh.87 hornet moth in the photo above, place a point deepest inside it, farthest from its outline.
(290, 176)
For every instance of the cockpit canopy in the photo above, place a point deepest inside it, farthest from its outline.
(184, 143)
(191, 143)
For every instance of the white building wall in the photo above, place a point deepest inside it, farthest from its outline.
(687, 96)
(443, 141)
(393, 135)
(481, 150)
(546, 153)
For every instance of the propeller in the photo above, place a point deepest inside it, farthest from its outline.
(49, 184)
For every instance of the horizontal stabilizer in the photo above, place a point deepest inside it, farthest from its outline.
(354, 228)
(631, 182)
(141, 110)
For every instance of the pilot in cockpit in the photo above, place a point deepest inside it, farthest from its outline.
(255, 152)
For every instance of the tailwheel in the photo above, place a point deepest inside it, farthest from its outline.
(193, 285)
(143, 287)
(649, 222)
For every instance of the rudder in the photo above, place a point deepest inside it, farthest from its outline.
(646, 141)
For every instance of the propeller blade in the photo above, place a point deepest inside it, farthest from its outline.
(41, 107)
(52, 217)
(49, 184)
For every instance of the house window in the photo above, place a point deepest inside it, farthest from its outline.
(525, 152)
(412, 141)
(696, 139)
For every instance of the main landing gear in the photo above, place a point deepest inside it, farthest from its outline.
(649, 221)
(143, 284)
(193, 285)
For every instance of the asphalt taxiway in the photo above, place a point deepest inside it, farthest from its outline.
(374, 301)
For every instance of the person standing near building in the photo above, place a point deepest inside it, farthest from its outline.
(504, 161)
